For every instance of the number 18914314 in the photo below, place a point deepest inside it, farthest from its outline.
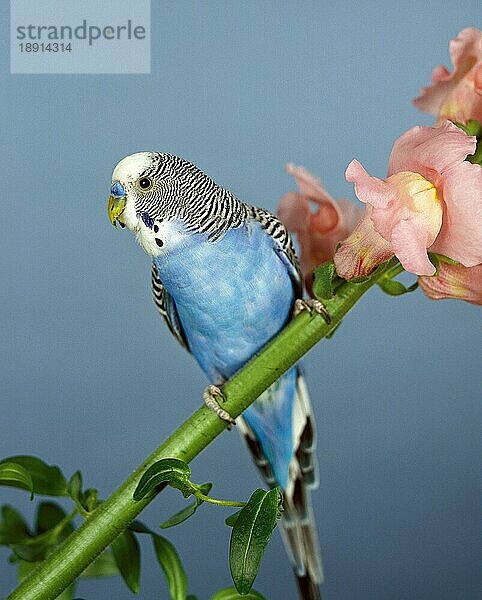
(43, 47)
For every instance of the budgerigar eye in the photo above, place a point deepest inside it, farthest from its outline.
(145, 183)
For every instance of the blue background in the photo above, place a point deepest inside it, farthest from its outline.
(90, 377)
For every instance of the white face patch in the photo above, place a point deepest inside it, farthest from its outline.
(164, 237)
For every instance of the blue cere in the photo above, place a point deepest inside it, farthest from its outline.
(117, 190)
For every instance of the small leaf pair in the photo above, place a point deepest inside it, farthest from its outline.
(175, 473)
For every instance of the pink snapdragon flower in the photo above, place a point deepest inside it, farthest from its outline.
(457, 95)
(454, 281)
(431, 200)
(318, 232)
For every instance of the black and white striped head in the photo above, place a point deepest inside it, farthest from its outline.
(151, 189)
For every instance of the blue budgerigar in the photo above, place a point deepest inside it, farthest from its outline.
(225, 278)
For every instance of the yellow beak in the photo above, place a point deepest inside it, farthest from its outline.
(115, 208)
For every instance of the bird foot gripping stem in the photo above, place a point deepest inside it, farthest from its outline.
(210, 398)
(313, 307)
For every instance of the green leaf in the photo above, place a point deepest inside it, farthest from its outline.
(473, 127)
(204, 488)
(127, 557)
(53, 526)
(396, 288)
(231, 594)
(85, 501)
(476, 157)
(435, 260)
(47, 480)
(103, 566)
(168, 558)
(13, 527)
(323, 281)
(251, 534)
(180, 516)
(14, 475)
(231, 520)
(89, 499)
(74, 487)
(48, 516)
(35, 548)
(187, 512)
(172, 567)
(139, 527)
(170, 471)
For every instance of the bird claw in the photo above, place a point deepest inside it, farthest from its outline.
(209, 397)
(313, 307)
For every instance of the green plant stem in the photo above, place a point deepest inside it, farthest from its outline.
(205, 498)
(107, 521)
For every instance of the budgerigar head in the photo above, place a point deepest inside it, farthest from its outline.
(149, 189)
(164, 199)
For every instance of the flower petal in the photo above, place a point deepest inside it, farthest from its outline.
(478, 79)
(309, 184)
(369, 189)
(327, 218)
(431, 150)
(466, 49)
(294, 211)
(464, 102)
(460, 237)
(413, 199)
(454, 281)
(409, 243)
(323, 244)
(442, 97)
(329, 214)
(432, 96)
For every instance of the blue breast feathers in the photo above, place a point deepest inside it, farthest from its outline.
(232, 295)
